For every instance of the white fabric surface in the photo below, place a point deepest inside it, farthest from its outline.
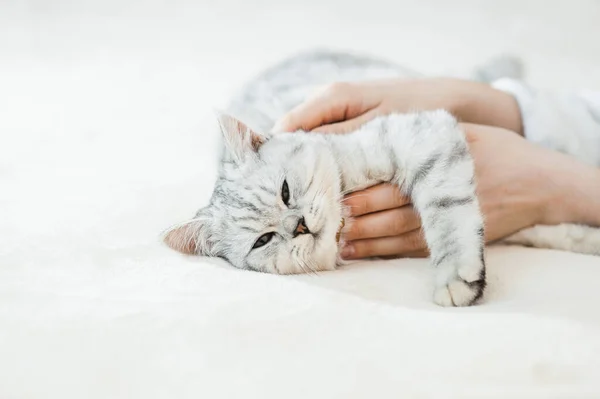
(104, 108)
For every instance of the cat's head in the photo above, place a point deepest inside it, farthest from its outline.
(275, 207)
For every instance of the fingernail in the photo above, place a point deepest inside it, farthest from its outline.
(347, 251)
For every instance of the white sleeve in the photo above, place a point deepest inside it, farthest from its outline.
(567, 122)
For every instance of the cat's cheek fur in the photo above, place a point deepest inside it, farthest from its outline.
(328, 253)
(283, 263)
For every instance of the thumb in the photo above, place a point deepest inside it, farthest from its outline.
(348, 125)
(336, 103)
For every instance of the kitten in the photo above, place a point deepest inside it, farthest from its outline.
(276, 206)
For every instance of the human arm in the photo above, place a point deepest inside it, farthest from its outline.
(342, 107)
(520, 184)
(568, 122)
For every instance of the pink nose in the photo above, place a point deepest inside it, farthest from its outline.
(301, 228)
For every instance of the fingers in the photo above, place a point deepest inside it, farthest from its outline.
(347, 126)
(422, 253)
(375, 199)
(392, 222)
(340, 101)
(411, 242)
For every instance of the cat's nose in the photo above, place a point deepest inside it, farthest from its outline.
(301, 228)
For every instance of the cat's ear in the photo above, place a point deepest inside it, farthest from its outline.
(192, 237)
(240, 140)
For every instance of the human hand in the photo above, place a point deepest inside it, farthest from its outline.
(519, 184)
(343, 107)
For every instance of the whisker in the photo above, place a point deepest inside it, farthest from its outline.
(309, 262)
(313, 271)
(357, 195)
(313, 267)
(296, 259)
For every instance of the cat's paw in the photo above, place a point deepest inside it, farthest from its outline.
(459, 292)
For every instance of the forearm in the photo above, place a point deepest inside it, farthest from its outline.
(568, 122)
(584, 197)
(576, 188)
(481, 104)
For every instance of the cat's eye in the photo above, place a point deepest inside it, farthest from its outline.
(263, 240)
(285, 193)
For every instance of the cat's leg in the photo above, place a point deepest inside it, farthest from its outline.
(565, 237)
(439, 176)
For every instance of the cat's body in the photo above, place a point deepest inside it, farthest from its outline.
(426, 155)
(277, 206)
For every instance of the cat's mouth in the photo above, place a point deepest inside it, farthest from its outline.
(339, 232)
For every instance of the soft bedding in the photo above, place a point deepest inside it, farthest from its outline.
(103, 143)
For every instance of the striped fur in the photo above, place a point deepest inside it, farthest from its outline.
(425, 154)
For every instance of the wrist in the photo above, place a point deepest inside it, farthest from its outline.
(583, 196)
(454, 95)
(481, 104)
(576, 193)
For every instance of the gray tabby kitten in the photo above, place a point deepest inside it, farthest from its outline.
(276, 206)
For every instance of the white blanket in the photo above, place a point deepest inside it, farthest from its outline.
(105, 140)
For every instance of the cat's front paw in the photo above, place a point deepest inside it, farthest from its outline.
(459, 292)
